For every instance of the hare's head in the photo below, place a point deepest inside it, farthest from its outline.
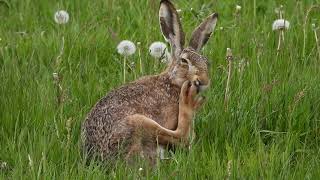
(186, 63)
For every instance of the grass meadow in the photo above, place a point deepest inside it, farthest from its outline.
(270, 130)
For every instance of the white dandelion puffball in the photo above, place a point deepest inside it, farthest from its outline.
(61, 17)
(158, 49)
(238, 8)
(126, 48)
(280, 24)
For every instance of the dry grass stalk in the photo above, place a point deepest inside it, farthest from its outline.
(317, 40)
(297, 98)
(229, 58)
(57, 78)
(229, 169)
(305, 26)
(68, 127)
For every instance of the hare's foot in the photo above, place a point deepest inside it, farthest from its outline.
(142, 147)
(187, 105)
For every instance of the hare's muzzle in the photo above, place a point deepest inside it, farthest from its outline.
(200, 84)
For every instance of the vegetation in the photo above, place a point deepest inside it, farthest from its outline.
(270, 128)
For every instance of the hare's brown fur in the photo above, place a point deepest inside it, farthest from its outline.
(138, 116)
(153, 96)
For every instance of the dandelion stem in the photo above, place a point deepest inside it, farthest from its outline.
(59, 57)
(279, 43)
(281, 33)
(133, 69)
(140, 62)
(124, 69)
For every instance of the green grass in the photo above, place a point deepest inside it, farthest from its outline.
(266, 133)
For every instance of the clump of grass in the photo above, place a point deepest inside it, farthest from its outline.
(269, 131)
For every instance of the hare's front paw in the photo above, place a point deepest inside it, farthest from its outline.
(189, 101)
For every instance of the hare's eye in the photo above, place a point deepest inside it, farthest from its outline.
(184, 61)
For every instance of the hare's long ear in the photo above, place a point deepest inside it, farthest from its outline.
(202, 33)
(171, 27)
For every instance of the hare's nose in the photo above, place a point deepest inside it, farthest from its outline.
(196, 81)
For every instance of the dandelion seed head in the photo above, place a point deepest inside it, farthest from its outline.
(126, 48)
(238, 7)
(280, 24)
(157, 49)
(61, 17)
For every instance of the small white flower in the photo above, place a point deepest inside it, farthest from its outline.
(179, 10)
(126, 48)
(158, 49)
(280, 24)
(61, 17)
(238, 8)
(314, 26)
(140, 169)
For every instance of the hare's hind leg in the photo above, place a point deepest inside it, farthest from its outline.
(149, 128)
(188, 103)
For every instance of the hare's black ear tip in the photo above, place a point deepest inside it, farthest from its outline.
(167, 2)
(215, 15)
(164, 1)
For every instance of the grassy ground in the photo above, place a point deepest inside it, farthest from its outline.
(271, 128)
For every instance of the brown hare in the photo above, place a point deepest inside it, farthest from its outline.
(153, 110)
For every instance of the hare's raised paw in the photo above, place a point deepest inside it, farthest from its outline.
(189, 101)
